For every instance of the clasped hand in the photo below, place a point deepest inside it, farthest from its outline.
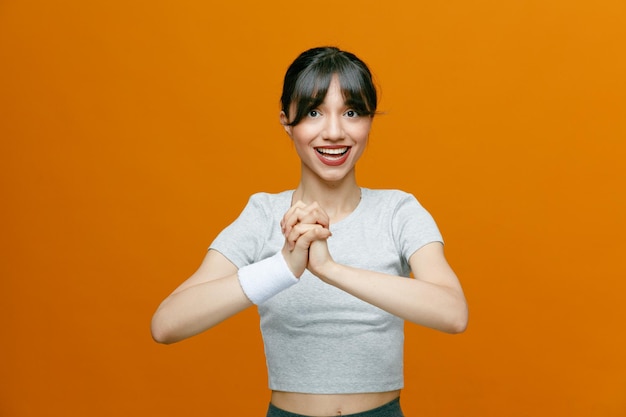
(306, 228)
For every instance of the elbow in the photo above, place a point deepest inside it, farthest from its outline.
(457, 327)
(158, 335)
(161, 337)
(161, 332)
(458, 321)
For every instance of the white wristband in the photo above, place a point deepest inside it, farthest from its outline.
(262, 280)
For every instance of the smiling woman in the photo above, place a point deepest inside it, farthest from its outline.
(332, 134)
(327, 264)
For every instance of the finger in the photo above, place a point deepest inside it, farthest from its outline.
(285, 222)
(316, 214)
(292, 218)
(296, 248)
(295, 232)
(304, 234)
(312, 214)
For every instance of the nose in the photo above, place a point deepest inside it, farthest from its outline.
(333, 128)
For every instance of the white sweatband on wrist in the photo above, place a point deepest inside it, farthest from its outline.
(262, 280)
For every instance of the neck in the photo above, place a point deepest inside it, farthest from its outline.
(338, 199)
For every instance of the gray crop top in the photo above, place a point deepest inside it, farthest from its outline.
(319, 339)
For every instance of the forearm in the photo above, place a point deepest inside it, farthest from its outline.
(421, 302)
(197, 308)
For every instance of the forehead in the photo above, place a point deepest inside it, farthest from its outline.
(322, 86)
(331, 91)
(334, 89)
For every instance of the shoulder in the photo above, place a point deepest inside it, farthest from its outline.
(261, 208)
(271, 197)
(412, 226)
(385, 193)
(397, 205)
(270, 202)
(387, 197)
(255, 231)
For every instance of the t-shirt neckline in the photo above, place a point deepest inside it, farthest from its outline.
(346, 220)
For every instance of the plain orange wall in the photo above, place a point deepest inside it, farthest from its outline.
(132, 132)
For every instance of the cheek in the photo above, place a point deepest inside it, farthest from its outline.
(299, 142)
(365, 124)
(301, 135)
(362, 132)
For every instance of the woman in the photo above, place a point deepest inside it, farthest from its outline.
(328, 263)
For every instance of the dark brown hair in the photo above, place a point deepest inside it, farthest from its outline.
(308, 77)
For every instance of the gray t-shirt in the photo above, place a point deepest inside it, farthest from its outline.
(319, 339)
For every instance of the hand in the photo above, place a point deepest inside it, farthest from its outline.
(302, 225)
(301, 213)
(303, 235)
(320, 260)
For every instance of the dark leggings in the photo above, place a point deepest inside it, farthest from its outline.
(391, 409)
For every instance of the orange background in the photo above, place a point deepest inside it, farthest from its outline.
(132, 132)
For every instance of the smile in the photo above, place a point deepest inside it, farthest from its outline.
(333, 156)
(332, 151)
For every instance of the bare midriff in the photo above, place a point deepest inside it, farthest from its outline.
(331, 404)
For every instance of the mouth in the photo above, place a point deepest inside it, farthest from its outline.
(333, 156)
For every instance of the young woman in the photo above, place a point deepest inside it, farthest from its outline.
(328, 263)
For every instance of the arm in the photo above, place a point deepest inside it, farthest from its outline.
(213, 293)
(433, 299)
(209, 296)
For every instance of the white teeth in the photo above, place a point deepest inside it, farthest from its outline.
(337, 151)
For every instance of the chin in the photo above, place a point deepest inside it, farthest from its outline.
(334, 179)
(329, 175)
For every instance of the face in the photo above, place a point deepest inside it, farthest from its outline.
(331, 138)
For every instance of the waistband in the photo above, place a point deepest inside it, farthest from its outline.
(391, 409)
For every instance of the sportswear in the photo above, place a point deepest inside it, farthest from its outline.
(319, 339)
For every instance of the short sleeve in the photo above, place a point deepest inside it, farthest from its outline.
(413, 226)
(243, 240)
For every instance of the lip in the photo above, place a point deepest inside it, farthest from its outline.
(333, 159)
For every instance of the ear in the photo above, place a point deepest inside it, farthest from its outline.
(284, 121)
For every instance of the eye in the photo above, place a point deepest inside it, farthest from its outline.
(352, 113)
(313, 113)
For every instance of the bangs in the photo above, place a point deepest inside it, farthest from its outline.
(311, 86)
(309, 92)
(356, 93)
